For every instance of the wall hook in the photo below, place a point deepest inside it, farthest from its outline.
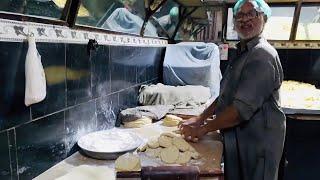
(92, 46)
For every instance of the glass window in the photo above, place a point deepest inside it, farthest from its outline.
(309, 23)
(231, 33)
(187, 31)
(46, 8)
(278, 26)
(167, 17)
(116, 15)
(281, 18)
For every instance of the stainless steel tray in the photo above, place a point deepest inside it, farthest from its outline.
(291, 111)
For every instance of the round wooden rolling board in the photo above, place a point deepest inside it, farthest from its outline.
(209, 147)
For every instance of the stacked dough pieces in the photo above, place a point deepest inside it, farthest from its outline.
(170, 148)
(298, 95)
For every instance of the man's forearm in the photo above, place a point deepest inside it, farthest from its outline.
(209, 111)
(228, 118)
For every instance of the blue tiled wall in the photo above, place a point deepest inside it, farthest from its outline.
(84, 94)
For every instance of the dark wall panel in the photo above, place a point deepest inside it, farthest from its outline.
(84, 93)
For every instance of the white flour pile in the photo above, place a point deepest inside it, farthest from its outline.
(109, 141)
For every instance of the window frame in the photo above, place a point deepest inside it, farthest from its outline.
(40, 19)
(305, 3)
(68, 18)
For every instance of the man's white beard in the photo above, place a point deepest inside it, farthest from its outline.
(245, 37)
(251, 35)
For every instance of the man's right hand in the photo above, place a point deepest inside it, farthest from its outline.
(194, 121)
(192, 129)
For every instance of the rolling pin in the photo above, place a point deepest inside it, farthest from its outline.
(170, 173)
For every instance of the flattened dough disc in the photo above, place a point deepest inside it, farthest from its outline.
(165, 141)
(153, 152)
(127, 162)
(184, 157)
(181, 144)
(169, 155)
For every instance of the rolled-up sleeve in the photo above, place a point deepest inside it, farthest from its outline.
(256, 84)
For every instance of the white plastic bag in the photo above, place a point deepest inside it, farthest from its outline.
(35, 78)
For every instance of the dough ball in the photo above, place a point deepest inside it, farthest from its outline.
(138, 123)
(184, 157)
(170, 154)
(85, 172)
(154, 153)
(128, 162)
(153, 143)
(165, 141)
(171, 120)
(181, 144)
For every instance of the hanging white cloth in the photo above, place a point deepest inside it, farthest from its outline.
(35, 78)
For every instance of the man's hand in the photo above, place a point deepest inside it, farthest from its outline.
(192, 129)
(194, 121)
(193, 133)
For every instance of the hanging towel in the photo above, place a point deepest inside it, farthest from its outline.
(35, 78)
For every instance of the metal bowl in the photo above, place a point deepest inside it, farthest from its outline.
(128, 142)
(101, 155)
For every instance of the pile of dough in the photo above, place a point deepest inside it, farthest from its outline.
(298, 95)
(85, 172)
(170, 148)
(138, 123)
(171, 120)
(128, 162)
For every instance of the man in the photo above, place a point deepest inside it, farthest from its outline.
(247, 109)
